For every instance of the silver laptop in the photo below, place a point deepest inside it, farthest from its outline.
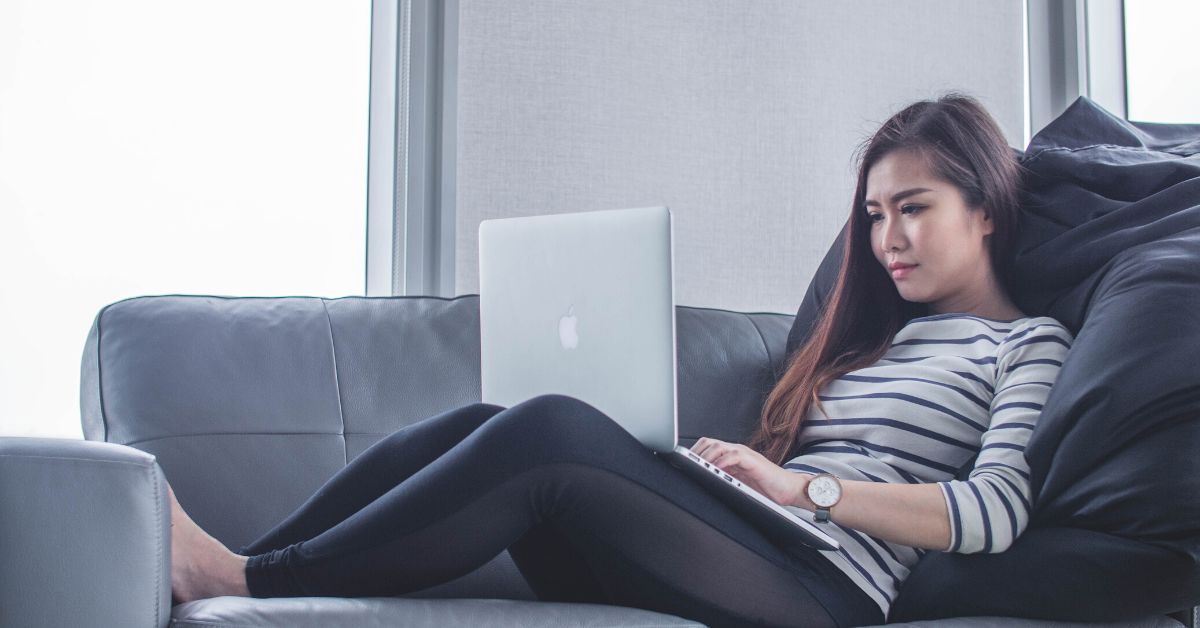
(583, 304)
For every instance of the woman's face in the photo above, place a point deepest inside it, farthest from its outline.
(916, 218)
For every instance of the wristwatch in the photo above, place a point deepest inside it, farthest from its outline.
(825, 491)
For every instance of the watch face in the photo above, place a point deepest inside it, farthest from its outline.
(824, 491)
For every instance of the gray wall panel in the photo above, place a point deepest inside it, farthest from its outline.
(740, 116)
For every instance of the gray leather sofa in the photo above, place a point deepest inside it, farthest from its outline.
(248, 404)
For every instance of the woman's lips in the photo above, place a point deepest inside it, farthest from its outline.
(901, 273)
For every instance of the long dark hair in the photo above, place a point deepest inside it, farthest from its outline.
(964, 146)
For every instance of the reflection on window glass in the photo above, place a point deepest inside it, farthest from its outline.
(151, 147)
(1162, 62)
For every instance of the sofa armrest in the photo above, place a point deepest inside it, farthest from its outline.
(84, 535)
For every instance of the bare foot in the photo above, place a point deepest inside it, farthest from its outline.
(201, 567)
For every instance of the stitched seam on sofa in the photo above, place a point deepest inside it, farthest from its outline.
(130, 463)
(100, 369)
(719, 309)
(207, 434)
(337, 387)
(158, 544)
(169, 436)
(286, 296)
(215, 624)
(766, 349)
(203, 434)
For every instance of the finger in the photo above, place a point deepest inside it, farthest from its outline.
(711, 452)
(710, 448)
(727, 459)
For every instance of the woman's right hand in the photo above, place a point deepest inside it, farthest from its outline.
(784, 487)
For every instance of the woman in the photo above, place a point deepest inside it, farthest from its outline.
(921, 360)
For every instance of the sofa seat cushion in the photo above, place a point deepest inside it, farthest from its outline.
(325, 612)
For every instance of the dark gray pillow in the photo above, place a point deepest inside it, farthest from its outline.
(818, 291)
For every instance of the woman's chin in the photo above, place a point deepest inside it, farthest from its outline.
(912, 296)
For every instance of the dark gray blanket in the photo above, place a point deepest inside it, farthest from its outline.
(1110, 246)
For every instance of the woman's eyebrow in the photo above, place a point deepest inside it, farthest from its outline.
(899, 196)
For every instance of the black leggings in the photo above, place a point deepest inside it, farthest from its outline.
(587, 513)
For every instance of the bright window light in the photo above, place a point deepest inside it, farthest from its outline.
(1162, 61)
(152, 147)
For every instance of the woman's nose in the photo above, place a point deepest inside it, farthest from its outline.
(893, 235)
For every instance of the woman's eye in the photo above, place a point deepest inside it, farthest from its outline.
(912, 209)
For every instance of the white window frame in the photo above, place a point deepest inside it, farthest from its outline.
(381, 145)
(1075, 48)
(411, 170)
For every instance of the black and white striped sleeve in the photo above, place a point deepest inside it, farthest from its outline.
(991, 508)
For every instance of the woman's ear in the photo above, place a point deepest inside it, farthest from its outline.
(985, 216)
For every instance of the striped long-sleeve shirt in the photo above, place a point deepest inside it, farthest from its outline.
(951, 385)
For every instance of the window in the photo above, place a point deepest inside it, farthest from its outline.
(169, 148)
(1161, 62)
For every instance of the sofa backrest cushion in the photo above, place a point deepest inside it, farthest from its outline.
(251, 403)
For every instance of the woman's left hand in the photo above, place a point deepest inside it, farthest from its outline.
(753, 469)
